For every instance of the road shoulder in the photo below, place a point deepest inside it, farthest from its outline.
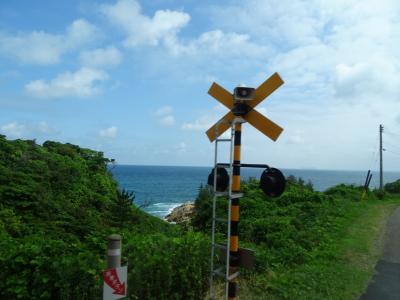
(385, 282)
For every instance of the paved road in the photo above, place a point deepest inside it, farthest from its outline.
(385, 284)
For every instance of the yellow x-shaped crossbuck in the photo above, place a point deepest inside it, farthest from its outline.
(263, 124)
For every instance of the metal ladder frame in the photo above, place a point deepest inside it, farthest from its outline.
(227, 276)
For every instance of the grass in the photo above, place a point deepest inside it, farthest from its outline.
(311, 245)
(340, 268)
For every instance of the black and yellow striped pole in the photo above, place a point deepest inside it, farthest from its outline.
(242, 105)
(234, 238)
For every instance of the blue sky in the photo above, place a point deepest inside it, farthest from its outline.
(130, 78)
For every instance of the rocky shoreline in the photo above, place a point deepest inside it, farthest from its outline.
(181, 214)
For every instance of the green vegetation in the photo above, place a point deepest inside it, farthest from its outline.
(58, 204)
(308, 244)
(393, 187)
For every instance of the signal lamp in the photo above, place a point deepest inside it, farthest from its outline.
(240, 109)
(241, 95)
(222, 179)
(272, 182)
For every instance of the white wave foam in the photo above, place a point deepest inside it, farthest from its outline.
(162, 209)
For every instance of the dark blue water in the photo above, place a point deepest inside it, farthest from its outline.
(161, 188)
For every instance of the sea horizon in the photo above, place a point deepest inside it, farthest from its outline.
(302, 169)
(159, 189)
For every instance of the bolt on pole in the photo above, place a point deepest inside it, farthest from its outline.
(114, 251)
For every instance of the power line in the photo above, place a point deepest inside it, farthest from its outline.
(391, 133)
(374, 157)
(392, 146)
(396, 153)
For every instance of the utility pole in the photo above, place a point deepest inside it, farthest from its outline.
(380, 158)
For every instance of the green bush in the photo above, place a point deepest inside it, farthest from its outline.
(393, 187)
(203, 209)
(44, 267)
(380, 194)
(285, 229)
(161, 267)
(58, 204)
(349, 192)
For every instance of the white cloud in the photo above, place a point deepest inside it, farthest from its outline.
(78, 84)
(339, 60)
(202, 123)
(80, 32)
(217, 43)
(182, 147)
(206, 120)
(14, 129)
(109, 133)
(296, 138)
(312, 38)
(165, 116)
(365, 79)
(25, 130)
(43, 127)
(143, 30)
(275, 22)
(101, 57)
(165, 110)
(340, 64)
(39, 47)
(167, 120)
(163, 29)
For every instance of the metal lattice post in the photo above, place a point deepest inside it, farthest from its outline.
(213, 219)
(228, 244)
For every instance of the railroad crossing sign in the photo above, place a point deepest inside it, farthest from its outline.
(242, 104)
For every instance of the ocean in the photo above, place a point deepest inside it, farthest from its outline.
(159, 189)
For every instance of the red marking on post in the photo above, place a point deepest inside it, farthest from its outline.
(111, 278)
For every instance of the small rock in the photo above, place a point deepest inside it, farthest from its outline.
(181, 214)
